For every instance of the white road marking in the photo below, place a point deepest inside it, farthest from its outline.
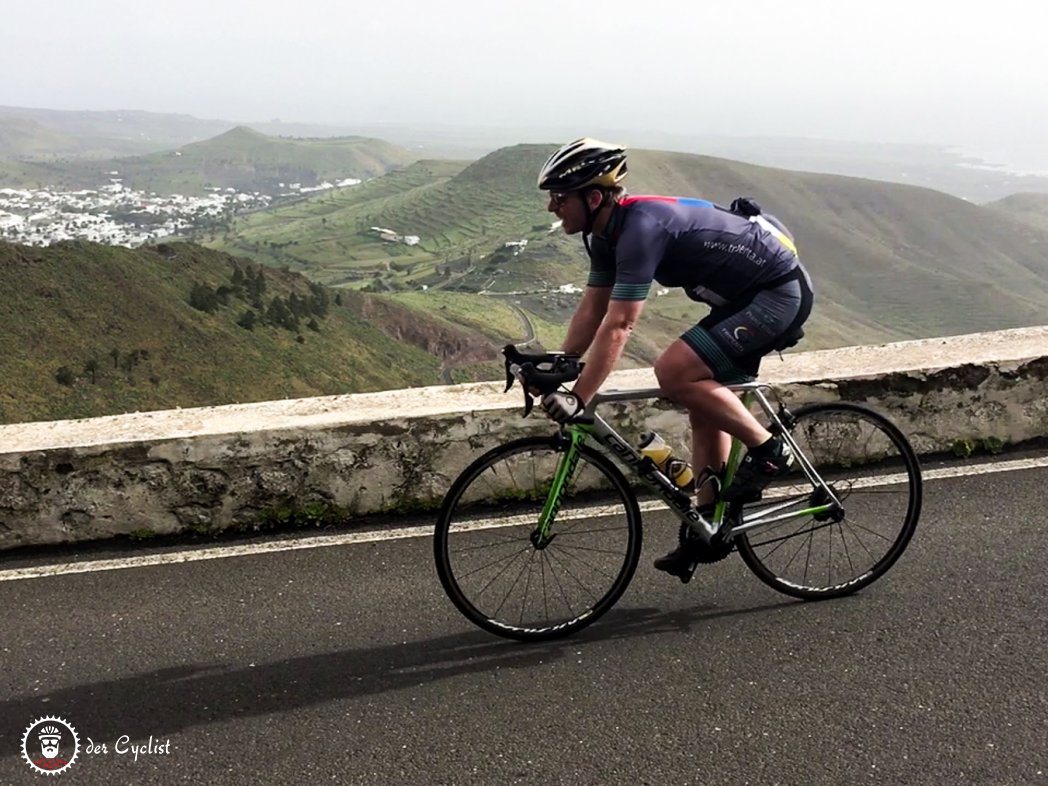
(351, 538)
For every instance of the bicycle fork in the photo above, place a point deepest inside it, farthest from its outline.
(541, 535)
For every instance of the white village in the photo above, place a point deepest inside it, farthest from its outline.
(120, 216)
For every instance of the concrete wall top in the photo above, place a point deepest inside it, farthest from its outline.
(833, 364)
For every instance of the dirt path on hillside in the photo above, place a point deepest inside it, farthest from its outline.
(528, 339)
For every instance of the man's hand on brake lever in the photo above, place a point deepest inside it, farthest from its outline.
(563, 407)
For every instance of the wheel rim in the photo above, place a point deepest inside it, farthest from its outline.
(872, 471)
(493, 570)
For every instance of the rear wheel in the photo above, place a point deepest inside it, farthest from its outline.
(872, 471)
(507, 584)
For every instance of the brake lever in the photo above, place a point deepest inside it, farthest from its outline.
(529, 400)
(521, 367)
(512, 372)
(529, 403)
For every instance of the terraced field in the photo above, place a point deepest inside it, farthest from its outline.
(889, 261)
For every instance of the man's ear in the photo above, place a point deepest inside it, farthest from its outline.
(594, 198)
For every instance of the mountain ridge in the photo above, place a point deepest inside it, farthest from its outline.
(890, 262)
(109, 134)
(239, 158)
(910, 260)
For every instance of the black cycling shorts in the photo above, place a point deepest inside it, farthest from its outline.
(733, 338)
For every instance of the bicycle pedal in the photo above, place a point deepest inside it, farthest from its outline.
(684, 572)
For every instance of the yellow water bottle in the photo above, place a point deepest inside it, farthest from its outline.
(654, 447)
(680, 472)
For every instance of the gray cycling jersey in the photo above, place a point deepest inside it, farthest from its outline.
(714, 254)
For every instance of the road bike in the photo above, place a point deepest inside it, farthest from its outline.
(540, 536)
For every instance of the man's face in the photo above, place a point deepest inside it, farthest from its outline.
(569, 207)
(49, 747)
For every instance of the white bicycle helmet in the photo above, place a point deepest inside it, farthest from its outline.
(581, 163)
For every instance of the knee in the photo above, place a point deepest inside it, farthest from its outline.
(676, 380)
(670, 376)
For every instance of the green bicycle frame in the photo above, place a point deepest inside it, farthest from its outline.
(569, 460)
(678, 501)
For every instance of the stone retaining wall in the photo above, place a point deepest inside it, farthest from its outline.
(252, 466)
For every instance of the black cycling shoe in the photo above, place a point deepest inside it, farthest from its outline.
(681, 562)
(757, 471)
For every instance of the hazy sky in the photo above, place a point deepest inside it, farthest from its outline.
(963, 73)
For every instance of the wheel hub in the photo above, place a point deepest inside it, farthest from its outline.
(821, 497)
(540, 542)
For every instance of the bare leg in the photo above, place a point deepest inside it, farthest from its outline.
(715, 413)
(709, 448)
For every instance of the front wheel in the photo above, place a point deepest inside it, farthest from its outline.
(512, 584)
(870, 468)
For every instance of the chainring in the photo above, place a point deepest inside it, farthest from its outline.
(706, 554)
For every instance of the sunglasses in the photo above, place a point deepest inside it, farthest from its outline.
(558, 198)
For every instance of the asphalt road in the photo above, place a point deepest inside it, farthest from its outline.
(347, 664)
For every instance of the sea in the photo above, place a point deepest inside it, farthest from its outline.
(1029, 161)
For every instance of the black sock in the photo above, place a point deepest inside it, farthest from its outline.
(770, 447)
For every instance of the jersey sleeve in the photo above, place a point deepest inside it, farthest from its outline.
(637, 255)
(602, 265)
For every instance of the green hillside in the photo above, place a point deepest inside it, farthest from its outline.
(92, 330)
(20, 174)
(240, 158)
(890, 261)
(101, 134)
(457, 210)
(329, 236)
(913, 261)
(1030, 208)
(30, 136)
(99, 330)
(24, 137)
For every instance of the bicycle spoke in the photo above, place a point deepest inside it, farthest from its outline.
(867, 530)
(589, 565)
(805, 526)
(800, 547)
(829, 560)
(490, 545)
(563, 591)
(524, 597)
(497, 575)
(847, 554)
(497, 560)
(593, 549)
(871, 470)
(573, 532)
(574, 577)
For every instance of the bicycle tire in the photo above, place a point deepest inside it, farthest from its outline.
(493, 531)
(873, 470)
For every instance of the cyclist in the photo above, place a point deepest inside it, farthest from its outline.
(739, 261)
